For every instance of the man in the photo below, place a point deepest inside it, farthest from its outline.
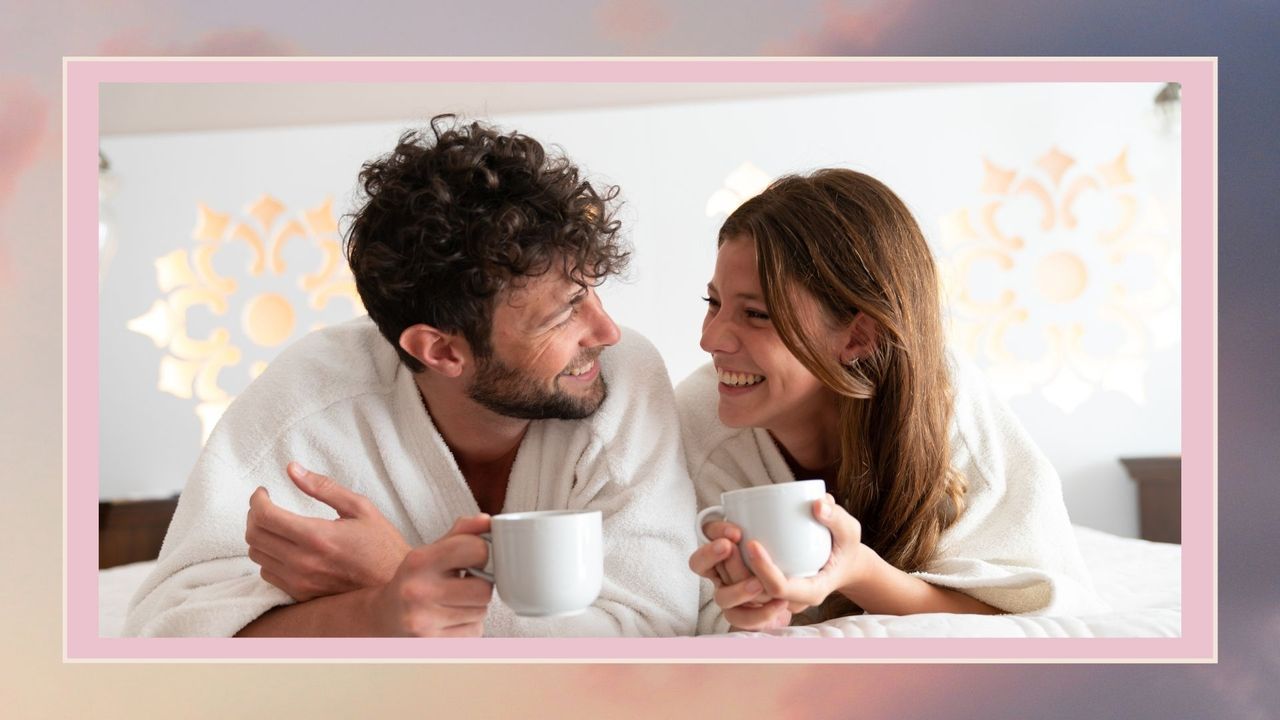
(487, 378)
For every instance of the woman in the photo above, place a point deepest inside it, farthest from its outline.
(828, 361)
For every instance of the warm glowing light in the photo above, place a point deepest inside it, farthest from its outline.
(173, 270)
(210, 225)
(1078, 257)
(249, 236)
(1116, 172)
(320, 219)
(1061, 277)
(157, 323)
(257, 369)
(744, 183)
(1055, 164)
(268, 319)
(177, 376)
(265, 210)
(292, 229)
(191, 367)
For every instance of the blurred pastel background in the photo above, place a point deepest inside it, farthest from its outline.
(36, 684)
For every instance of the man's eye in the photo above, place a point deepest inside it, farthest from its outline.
(573, 311)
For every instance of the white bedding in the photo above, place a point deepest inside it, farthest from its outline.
(1140, 580)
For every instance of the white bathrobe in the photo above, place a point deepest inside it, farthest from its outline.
(341, 403)
(1012, 547)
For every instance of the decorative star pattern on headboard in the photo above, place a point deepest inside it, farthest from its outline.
(1062, 278)
(281, 305)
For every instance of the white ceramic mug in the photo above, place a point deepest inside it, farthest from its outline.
(780, 517)
(546, 563)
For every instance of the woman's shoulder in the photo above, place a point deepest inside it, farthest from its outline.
(989, 443)
(702, 432)
(720, 457)
(977, 408)
(696, 394)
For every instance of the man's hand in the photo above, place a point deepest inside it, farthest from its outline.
(429, 596)
(309, 557)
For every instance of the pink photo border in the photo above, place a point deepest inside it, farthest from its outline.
(1198, 76)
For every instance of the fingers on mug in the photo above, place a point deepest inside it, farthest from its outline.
(477, 572)
(717, 510)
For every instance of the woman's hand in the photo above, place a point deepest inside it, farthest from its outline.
(309, 557)
(843, 569)
(738, 593)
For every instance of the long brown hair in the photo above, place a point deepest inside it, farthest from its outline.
(848, 240)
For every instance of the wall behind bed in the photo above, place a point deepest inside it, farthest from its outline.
(1053, 210)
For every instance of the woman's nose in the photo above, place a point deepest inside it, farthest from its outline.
(717, 336)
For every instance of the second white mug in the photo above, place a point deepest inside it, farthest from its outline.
(780, 517)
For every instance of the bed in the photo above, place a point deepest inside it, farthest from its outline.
(1140, 580)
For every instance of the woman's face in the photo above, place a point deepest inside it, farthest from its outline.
(761, 383)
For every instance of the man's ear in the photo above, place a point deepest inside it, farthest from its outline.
(859, 338)
(445, 353)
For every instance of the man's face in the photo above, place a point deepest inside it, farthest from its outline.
(547, 337)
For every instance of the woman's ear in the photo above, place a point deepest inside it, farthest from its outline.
(860, 338)
(445, 353)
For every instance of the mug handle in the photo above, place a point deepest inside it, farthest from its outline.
(477, 571)
(697, 524)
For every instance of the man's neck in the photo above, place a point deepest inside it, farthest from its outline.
(483, 443)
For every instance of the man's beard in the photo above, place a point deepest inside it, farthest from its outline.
(508, 391)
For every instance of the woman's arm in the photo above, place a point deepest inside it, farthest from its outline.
(859, 573)
(883, 589)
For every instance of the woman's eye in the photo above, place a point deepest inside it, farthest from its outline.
(757, 315)
(711, 302)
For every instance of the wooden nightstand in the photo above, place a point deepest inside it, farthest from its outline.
(1159, 496)
(132, 530)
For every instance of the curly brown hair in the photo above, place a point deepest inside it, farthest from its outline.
(453, 217)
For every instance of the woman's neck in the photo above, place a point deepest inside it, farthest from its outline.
(811, 443)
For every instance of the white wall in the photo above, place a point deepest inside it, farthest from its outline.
(928, 143)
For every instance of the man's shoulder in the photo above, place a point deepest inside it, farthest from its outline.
(632, 347)
(638, 390)
(634, 365)
(355, 347)
(326, 367)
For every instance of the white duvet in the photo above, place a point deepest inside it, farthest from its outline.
(1140, 580)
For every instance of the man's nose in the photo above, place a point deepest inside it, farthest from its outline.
(604, 331)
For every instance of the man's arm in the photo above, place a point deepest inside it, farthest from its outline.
(351, 614)
(427, 597)
(313, 557)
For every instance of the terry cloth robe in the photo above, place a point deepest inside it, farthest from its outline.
(1012, 547)
(341, 403)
